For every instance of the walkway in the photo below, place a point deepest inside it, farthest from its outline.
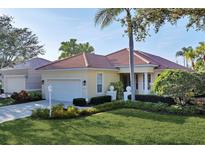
(12, 112)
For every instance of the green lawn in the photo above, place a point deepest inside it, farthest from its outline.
(122, 126)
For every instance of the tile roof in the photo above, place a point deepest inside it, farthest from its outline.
(84, 60)
(161, 62)
(30, 64)
(111, 61)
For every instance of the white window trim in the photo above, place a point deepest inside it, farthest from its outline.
(99, 93)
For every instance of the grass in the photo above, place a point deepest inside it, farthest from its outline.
(6, 101)
(121, 126)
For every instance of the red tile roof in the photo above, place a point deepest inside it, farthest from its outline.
(84, 60)
(121, 58)
(111, 61)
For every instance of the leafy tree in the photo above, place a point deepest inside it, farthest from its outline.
(104, 17)
(156, 18)
(180, 85)
(16, 44)
(71, 48)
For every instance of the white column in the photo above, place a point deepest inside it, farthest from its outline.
(146, 91)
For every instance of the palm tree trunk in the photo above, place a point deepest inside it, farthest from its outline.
(131, 56)
(131, 60)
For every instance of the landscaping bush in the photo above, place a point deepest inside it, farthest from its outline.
(119, 88)
(100, 100)
(24, 96)
(87, 111)
(153, 98)
(79, 102)
(40, 113)
(35, 95)
(1, 91)
(20, 97)
(178, 84)
(72, 112)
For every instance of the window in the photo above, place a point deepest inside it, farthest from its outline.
(149, 81)
(99, 83)
(143, 81)
(136, 81)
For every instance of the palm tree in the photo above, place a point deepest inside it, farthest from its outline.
(71, 48)
(200, 51)
(190, 55)
(180, 54)
(104, 17)
(85, 47)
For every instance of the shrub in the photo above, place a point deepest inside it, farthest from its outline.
(153, 98)
(35, 95)
(71, 112)
(1, 91)
(178, 84)
(119, 88)
(100, 100)
(20, 97)
(79, 102)
(88, 111)
(58, 111)
(40, 113)
(14, 96)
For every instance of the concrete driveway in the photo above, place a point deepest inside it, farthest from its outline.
(12, 112)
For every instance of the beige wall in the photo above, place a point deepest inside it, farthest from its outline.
(62, 74)
(32, 80)
(89, 75)
(90, 90)
(108, 77)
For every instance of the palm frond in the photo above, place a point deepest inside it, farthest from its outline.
(105, 17)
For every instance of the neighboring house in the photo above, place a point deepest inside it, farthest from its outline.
(88, 75)
(23, 76)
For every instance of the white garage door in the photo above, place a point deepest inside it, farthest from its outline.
(14, 83)
(65, 90)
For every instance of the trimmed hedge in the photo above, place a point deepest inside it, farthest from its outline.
(153, 98)
(79, 102)
(100, 100)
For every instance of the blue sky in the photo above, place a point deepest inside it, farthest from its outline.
(56, 25)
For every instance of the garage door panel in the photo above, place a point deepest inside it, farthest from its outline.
(14, 84)
(65, 90)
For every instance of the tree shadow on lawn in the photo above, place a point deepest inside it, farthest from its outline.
(177, 119)
(27, 132)
(98, 139)
(66, 132)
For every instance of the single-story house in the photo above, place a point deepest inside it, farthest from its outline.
(89, 75)
(23, 76)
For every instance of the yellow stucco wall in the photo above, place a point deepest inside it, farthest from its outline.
(108, 77)
(89, 75)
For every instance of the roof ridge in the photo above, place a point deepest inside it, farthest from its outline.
(145, 54)
(85, 59)
(142, 58)
(116, 52)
